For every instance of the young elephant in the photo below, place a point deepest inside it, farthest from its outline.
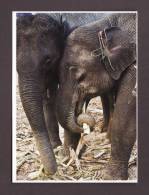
(99, 59)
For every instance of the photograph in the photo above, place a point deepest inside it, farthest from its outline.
(75, 97)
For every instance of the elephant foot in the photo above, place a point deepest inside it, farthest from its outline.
(41, 173)
(115, 171)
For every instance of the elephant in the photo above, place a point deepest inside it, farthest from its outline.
(100, 60)
(40, 44)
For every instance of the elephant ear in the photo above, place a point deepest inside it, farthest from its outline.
(119, 51)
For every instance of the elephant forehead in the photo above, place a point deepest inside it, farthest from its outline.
(81, 54)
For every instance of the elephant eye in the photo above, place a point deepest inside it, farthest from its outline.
(46, 63)
(81, 77)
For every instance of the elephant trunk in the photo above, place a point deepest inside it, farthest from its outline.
(32, 96)
(67, 110)
(71, 121)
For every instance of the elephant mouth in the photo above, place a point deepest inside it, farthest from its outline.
(82, 103)
(81, 117)
(68, 113)
(81, 107)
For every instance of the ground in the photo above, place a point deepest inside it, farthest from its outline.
(92, 162)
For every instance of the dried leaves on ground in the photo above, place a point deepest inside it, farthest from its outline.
(91, 163)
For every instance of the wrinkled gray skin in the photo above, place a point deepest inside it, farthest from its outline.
(39, 48)
(83, 76)
(40, 44)
(73, 20)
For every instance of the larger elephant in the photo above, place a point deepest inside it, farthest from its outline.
(100, 59)
(40, 44)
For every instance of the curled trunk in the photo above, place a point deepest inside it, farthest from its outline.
(31, 97)
(66, 110)
(86, 118)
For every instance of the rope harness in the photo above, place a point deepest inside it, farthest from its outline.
(102, 37)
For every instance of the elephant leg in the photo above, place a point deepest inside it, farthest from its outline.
(111, 108)
(123, 131)
(107, 104)
(51, 121)
(70, 140)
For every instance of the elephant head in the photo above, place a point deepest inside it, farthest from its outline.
(94, 60)
(39, 48)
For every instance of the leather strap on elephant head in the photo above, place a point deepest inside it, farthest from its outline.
(116, 50)
(103, 41)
